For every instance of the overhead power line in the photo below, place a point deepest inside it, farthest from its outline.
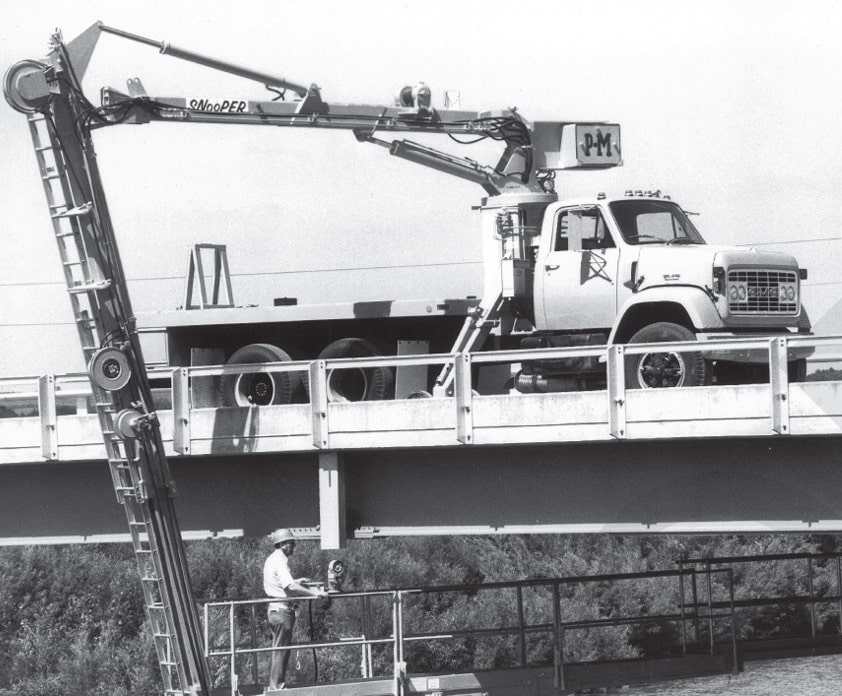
(303, 271)
(791, 241)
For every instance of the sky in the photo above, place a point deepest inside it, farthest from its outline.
(729, 107)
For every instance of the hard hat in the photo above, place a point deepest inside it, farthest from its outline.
(281, 536)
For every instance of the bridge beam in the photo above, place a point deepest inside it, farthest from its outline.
(711, 485)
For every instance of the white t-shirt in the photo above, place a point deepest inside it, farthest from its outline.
(277, 578)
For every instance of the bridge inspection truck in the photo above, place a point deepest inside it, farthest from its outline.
(556, 272)
(579, 272)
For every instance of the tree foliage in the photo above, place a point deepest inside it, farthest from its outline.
(72, 618)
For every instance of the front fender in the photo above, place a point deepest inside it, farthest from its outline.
(667, 303)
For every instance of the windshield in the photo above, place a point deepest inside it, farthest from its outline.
(654, 222)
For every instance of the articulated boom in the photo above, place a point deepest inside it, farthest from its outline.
(33, 85)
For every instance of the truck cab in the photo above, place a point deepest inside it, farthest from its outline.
(634, 269)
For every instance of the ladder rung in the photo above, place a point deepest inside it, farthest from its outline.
(92, 287)
(49, 176)
(43, 148)
(78, 211)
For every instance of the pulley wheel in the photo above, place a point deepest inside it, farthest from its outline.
(109, 369)
(25, 87)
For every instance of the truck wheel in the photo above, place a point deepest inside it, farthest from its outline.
(668, 369)
(258, 388)
(357, 384)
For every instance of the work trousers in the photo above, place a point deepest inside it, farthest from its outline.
(282, 622)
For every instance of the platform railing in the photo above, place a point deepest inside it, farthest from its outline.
(829, 593)
(49, 396)
(234, 641)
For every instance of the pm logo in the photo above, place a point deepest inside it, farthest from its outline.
(597, 144)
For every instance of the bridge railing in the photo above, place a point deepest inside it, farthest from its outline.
(528, 623)
(177, 389)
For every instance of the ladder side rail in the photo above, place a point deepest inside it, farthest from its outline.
(103, 312)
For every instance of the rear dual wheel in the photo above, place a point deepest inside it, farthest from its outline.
(259, 388)
(357, 383)
(343, 384)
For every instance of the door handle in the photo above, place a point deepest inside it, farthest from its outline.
(550, 267)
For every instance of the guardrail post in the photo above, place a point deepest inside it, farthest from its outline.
(318, 403)
(231, 629)
(735, 669)
(181, 410)
(839, 585)
(616, 392)
(47, 414)
(207, 631)
(520, 624)
(683, 601)
(399, 673)
(366, 666)
(779, 385)
(558, 642)
(710, 609)
(811, 590)
(463, 395)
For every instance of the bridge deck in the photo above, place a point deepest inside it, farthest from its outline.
(811, 408)
(759, 457)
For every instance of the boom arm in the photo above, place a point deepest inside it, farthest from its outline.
(32, 86)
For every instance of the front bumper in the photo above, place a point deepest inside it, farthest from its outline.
(753, 354)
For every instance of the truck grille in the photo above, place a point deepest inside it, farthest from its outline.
(753, 291)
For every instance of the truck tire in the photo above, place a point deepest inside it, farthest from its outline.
(259, 388)
(668, 369)
(356, 384)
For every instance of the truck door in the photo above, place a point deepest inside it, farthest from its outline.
(578, 273)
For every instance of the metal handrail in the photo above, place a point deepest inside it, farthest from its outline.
(557, 628)
(811, 599)
(484, 357)
(46, 390)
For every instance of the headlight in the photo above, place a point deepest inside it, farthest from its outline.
(737, 292)
(786, 293)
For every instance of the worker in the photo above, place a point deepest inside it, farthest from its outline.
(278, 583)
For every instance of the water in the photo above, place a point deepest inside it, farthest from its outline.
(807, 676)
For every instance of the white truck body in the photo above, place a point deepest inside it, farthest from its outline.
(584, 271)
